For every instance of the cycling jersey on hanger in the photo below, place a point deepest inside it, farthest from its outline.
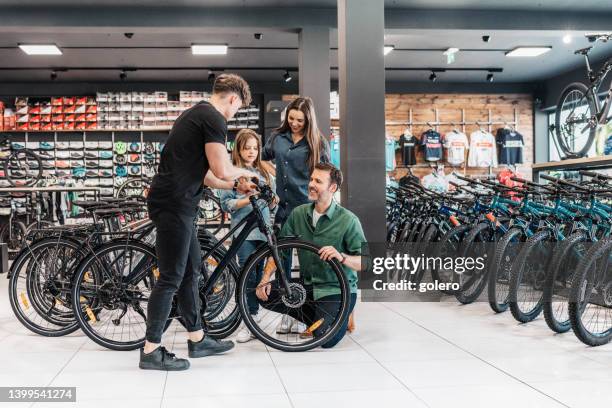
(408, 145)
(455, 143)
(482, 150)
(432, 145)
(510, 145)
(390, 146)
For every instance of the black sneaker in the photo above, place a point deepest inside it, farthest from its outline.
(208, 346)
(162, 359)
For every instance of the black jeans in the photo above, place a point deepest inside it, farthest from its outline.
(178, 260)
(325, 308)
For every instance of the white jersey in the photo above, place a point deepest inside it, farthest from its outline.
(482, 150)
(455, 143)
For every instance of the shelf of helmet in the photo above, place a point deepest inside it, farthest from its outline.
(94, 159)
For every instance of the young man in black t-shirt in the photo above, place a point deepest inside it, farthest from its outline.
(195, 154)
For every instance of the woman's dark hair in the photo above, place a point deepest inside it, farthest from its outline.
(311, 130)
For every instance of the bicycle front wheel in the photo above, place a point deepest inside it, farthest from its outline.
(317, 304)
(575, 111)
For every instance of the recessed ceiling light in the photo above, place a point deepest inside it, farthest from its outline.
(200, 49)
(433, 77)
(388, 49)
(40, 49)
(567, 39)
(490, 77)
(528, 51)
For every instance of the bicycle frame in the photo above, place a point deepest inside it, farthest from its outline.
(250, 222)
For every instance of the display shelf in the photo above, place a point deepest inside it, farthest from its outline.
(583, 163)
(161, 129)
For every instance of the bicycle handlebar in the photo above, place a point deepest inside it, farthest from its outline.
(594, 175)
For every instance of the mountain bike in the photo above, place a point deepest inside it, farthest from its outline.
(579, 111)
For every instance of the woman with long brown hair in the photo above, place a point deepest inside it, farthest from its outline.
(295, 148)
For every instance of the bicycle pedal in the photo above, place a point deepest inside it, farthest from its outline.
(310, 330)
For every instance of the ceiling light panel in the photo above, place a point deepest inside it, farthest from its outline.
(528, 51)
(202, 49)
(40, 49)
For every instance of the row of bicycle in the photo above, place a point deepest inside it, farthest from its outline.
(98, 277)
(546, 247)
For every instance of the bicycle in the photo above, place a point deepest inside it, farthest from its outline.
(22, 167)
(579, 110)
(118, 277)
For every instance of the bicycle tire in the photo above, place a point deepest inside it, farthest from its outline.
(16, 239)
(517, 276)
(86, 265)
(14, 298)
(579, 287)
(576, 86)
(501, 263)
(554, 319)
(253, 326)
(473, 288)
(456, 235)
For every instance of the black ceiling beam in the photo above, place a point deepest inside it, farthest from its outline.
(108, 19)
(182, 68)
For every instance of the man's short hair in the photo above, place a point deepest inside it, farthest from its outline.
(232, 83)
(335, 175)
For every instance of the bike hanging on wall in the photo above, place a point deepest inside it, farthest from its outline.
(579, 111)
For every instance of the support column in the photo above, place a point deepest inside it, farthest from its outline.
(361, 74)
(314, 75)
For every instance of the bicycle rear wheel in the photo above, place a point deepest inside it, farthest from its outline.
(110, 293)
(565, 260)
(499, 278)
(477, 243)
(322, 317)
(528, 277)
(39, 289)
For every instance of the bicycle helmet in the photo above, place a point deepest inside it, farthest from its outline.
(121, 171)
(134, 158)
(121, 159)
(134, 147)
(135, 170)
(120, 147)
(149, 149)
(79, 172)
(149, 171)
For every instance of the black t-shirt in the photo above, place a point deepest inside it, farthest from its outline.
(432, 145)
(408, 146)
(179, 183)
(510, 145)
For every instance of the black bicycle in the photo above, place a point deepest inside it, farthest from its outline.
(579, 110)
(111, 288)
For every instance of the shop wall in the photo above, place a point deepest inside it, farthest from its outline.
(451, 107)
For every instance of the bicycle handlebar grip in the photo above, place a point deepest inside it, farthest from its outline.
(594, 175)
(550, 178)
(518, 180)
(452, 183)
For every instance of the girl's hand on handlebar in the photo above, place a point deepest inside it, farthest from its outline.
(246, 186)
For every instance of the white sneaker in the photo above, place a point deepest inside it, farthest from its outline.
(284, 327)
(244, 336)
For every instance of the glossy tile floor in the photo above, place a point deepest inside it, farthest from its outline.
(402, 355)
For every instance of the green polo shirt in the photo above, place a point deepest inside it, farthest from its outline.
(339, 228)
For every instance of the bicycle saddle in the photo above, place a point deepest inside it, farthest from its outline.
(583, 51)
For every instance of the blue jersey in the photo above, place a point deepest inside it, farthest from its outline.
(390, 146)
